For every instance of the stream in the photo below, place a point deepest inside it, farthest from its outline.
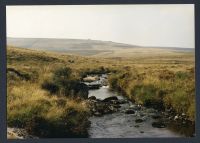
(121, 125)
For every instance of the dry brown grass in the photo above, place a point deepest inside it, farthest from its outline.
(26, 98)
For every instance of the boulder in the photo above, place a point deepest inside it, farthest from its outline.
(114, 102)
(100, 107)
(142, 132)
(129, 111)
(109, 109)
(98, 100)
(122, 101)
(108, 99)
(116, 106)
(92, 98)
(139, 120)
(158, 124)
(93, 85)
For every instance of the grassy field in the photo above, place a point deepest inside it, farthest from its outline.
(42, 86)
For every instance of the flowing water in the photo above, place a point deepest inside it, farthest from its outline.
(121, 125)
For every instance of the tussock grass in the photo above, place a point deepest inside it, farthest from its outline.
(159, 88)
(159, 81)
(28, 102)
(40, 111)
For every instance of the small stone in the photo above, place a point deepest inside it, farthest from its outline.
(138, 120)
(137, 126)
(116, 106)
(92, 98)
(158, 125)
(156, 116)
(130, 111)
(142, 132)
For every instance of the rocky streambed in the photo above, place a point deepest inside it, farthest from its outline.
(114, 116)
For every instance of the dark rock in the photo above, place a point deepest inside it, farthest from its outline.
(108, 99)
(137, 126)
(130, 111)
(154, 104)
(139, 120)
(98, 100)
(156, 116)
(112, 108)
(122, 101)
(116, 106)
(93, 86)
(92, 98)
(158, 125)
(114, 102)
(141, 131)
(100, 107)
(104, 108)
(108, 110)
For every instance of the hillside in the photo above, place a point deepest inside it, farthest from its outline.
(92, 47)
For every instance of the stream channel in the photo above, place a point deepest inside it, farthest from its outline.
(138, 124)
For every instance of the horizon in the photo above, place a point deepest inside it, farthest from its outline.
(102, 41)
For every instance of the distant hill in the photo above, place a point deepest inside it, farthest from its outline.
(85, 47)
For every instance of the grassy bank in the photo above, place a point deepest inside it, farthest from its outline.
(161, 87)
(42, 95)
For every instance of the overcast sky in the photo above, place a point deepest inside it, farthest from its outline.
(145, 25)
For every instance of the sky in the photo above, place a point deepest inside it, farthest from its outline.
(169, 25)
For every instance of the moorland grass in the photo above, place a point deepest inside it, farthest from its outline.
(161, 90)
(50, 103)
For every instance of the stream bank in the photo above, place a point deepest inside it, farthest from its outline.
(116, 116)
